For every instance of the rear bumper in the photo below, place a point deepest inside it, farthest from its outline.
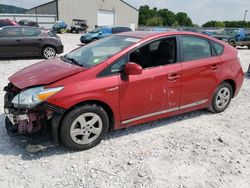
(239, 82)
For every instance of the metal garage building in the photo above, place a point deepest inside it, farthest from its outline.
(96, 12)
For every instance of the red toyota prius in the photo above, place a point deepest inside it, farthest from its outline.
(119, 81)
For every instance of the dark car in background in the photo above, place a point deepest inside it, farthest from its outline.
(7, 22)
(28, 23)
(101, 32)
(25, 41)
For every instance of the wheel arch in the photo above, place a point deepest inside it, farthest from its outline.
(102, 104)
(232, 83)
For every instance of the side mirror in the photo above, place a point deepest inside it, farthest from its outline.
(100, 33)
(132, 69)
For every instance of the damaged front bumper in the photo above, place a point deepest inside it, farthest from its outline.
(24, 121)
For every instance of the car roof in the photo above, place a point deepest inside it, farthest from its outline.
(149, 34)
(17, 26)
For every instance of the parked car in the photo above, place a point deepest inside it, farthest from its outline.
(209, 33)
(120, 81)
(29, 41)
(244, 42)
(101, 32)
(28, 23)
(78, 25)
(59, 26)
(7, 22)
(231, 36)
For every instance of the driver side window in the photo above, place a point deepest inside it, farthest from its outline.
(157, 53)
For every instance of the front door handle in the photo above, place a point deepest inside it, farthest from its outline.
(173, 76)
(18, 40)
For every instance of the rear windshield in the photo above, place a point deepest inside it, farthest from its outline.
(99, 51)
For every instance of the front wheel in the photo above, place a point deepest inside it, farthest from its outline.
(49, 52)
(221, 98)
(84, 127)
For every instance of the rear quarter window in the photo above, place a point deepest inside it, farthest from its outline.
(219, 49)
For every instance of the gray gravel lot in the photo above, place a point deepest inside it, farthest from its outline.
(195, 150)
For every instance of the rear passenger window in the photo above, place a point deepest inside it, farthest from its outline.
(28, 32)
(10, 32)
(218, 47)
(194, 48)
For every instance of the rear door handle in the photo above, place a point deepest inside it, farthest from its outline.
(173, 76)
(214, 67)
(18, 40)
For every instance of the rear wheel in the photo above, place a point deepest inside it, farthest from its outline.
(84, 127)
(221, 98)
(49, 52)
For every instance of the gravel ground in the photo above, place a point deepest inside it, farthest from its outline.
(195, 150)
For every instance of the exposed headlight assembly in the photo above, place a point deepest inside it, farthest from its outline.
(32, 97)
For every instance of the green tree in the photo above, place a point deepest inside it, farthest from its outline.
(145, 13)
(220, 24)
(168, 17)
(209, 24)
(155, 21)
(183, 19)
(176, 24)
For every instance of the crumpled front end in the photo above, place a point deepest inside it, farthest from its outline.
(25, 121)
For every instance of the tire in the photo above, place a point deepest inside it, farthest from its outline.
(221, 98)
(248, 47)
(48, 52)
(84, 127)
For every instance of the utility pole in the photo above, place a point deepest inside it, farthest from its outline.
(245, 15)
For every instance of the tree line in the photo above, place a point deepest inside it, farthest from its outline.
(164, 17)
(236, 24)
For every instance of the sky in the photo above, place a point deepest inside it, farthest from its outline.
(200, 11)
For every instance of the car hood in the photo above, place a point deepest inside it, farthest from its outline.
(44, 73)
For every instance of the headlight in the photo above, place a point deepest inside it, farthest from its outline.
(32, 97)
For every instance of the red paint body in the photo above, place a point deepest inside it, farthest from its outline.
(155, 89)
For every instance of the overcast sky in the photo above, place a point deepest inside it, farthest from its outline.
(200, 11)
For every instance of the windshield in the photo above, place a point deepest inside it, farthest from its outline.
(57, 23)
(96, 30)
(99, 51)
(230, 32)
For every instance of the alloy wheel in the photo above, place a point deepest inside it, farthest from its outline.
(223, 97)
(49, 52)
(86, 128)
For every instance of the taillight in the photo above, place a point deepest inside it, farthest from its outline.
(238, 56)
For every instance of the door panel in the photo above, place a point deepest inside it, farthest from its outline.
(142, 94)
(31, 46)
(31, 41)
(10, 42)
(200, 71)
(172, 83)
(199, 79)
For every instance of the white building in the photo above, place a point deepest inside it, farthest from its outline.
(96, 12)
